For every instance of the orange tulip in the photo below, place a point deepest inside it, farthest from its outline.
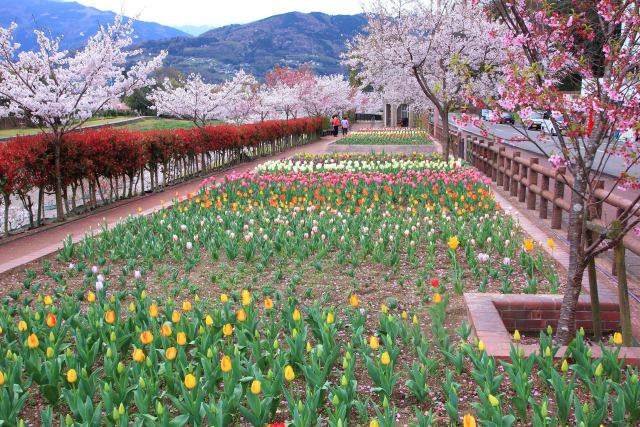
(110, 317)
(138, 355)
(146, 337)
(51, 320)
(171, 353)
(469, 421)
(175, 316)
(268, 303)
(32, 341)
(153, 310)
(165, 331)
(241, 315)
(225, 363)
(181, 338)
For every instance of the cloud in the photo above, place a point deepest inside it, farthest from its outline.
(218, 13)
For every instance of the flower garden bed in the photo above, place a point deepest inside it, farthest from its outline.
(387, 137)
(323, 289)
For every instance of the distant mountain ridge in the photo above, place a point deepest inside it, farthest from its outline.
(71, 20)
(289, 39)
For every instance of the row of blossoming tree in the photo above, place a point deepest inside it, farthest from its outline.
(517, 56)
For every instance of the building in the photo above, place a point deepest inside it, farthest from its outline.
(398, 115)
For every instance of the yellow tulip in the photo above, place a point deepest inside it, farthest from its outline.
(384, 309)
(268, 303)
(516, 336)
(385, 358)
(565, 366)
(454, 243)
(186, 306)
(246, 297)
(227, 329)
(330, 318)
(241, 315)
(48, 300)
(353, 300)
(374, 423)
(493, 400)
(481, 346)
(208, 320)
(50, 353)
(181, 338)
(72, 376)
(528, 245)
(289, 375)
(138, 355)
(469, 421)
(225, 363)
(189, 381)
(166, 331)
(617, 338)
(256, 387)
(374, 343)
(22, 326)
(146, 337)
(2, 379)
(91, 297)
(437, 298)
(224, 298)
(171, 353)
(552, 244)
(32, 341)
(175, 316)
(296, 315)
(110, 317)
(153, 310)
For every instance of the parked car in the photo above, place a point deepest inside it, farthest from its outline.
(535, 120)
(547, 126)
(507, 118)
(486, 115)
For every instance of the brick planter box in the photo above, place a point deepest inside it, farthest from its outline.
(494, 317)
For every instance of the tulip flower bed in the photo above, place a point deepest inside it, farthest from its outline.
(387, 137)
(316, 295)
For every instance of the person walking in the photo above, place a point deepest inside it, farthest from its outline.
(335, 122)
(345, 126)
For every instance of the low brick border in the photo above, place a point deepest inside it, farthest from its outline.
(494, 317)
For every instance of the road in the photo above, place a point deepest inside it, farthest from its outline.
(510, 133)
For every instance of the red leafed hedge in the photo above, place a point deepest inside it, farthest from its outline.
(91, 156)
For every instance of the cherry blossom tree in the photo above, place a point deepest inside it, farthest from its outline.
(326, 95)
(446, 48)
(199, 101)
(596, 44)
(59, 90)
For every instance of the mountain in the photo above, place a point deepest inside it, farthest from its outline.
(71, 20)
(290, 39)
(195, 30)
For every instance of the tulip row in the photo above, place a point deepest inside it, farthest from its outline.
(297, 297)
(387, 137)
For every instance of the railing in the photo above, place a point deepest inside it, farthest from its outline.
(536, 186)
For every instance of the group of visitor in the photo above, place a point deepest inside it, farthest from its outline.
(337, 124)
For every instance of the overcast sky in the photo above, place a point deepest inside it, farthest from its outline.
(217, 12)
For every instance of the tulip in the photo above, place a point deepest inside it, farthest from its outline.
(2, 378)
(110, 317)
(353, 300)
(48, 300)
(175, 316)
(132, 307)
(437, 298)
(374, 423)
(268, 303)
(225, 363)
(547, 352)
(454, 243)
(246, 297)
(166, 331)
(51, 320)
(330, 318)
(224, 298)
(599, 370)
(256, 387)
(296, 315)
(384, 309)
(481, 346)
(617, 338)
(289, 375)
(549, 330)
(72, 376)
(516, 336)
(241, 315)
(385, 358)
(91, 297)
(22, 326)
(565, 366)
(227, 329)
(181, 338)
(138, 355)
(415, 320)
(32, 341)
(493, 401)
(186, 306)
(374, 343)
(153, 310)
(552, 244)
(189, 381)
(171, 353)
(528, 245)
(208, 320)
(146, 337)
(469, 421)
(50, 353)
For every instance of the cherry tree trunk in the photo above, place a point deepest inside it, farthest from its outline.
(567, 321)
(58, 178)
(444, 116)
